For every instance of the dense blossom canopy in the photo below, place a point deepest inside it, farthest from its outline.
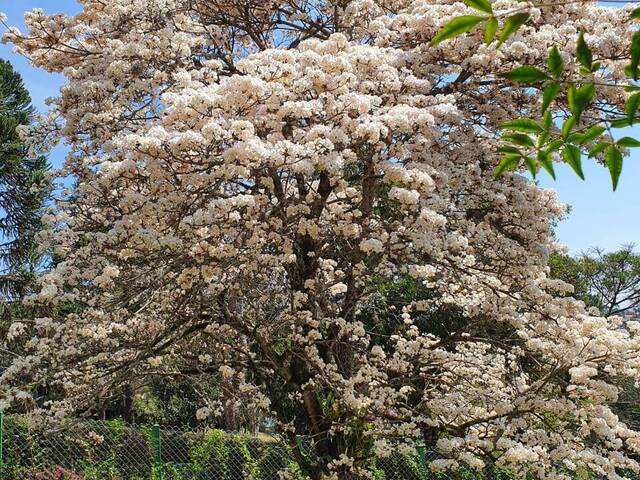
(252, 176)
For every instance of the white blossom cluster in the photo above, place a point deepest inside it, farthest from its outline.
(242, 193)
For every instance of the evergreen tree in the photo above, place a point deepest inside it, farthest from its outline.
(22, 192)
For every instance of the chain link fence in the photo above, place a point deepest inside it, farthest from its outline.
(113, 450)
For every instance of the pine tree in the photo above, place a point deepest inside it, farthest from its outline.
(22, 192)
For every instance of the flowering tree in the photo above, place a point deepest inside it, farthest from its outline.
(255, 178)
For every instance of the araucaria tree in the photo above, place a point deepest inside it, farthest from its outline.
(22, 188)
(253, 176)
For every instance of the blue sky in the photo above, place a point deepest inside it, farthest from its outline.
(599, 217)
(40, 83)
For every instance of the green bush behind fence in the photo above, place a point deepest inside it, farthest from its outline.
(113, 450)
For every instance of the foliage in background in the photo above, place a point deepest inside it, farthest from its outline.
(22, 188)
(609, 281)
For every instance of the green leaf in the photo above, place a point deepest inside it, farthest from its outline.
(592, 133)
(542, 139)
(511, 26)
(547, 120)
(508, 162)
(621, 122)
(575, 137)
(490, 30)
(600, 147)
(518, 139)
(524, 125)
(583, 53)
(628, 71)
(532, 166)
(457, 26)
(482, 5)
(555, 64)
(628, 142)
(635, 14)
(509, 149)
(549, 94)
(635, 55)
(568, 124)
(631, 107)
(586, 92)
(544, 158)
(554, 146)
(571, 96)
(525, 74)
(571, 155)
(584, 96)
(613, 159)
(578, 99)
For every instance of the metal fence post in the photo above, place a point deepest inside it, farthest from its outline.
(157, 451)
(422, 462)
(1, 444)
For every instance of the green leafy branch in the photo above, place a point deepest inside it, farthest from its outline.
(466, 23)
(571, 140)
(535, 142)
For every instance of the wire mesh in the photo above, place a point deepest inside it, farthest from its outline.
(113, 450)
